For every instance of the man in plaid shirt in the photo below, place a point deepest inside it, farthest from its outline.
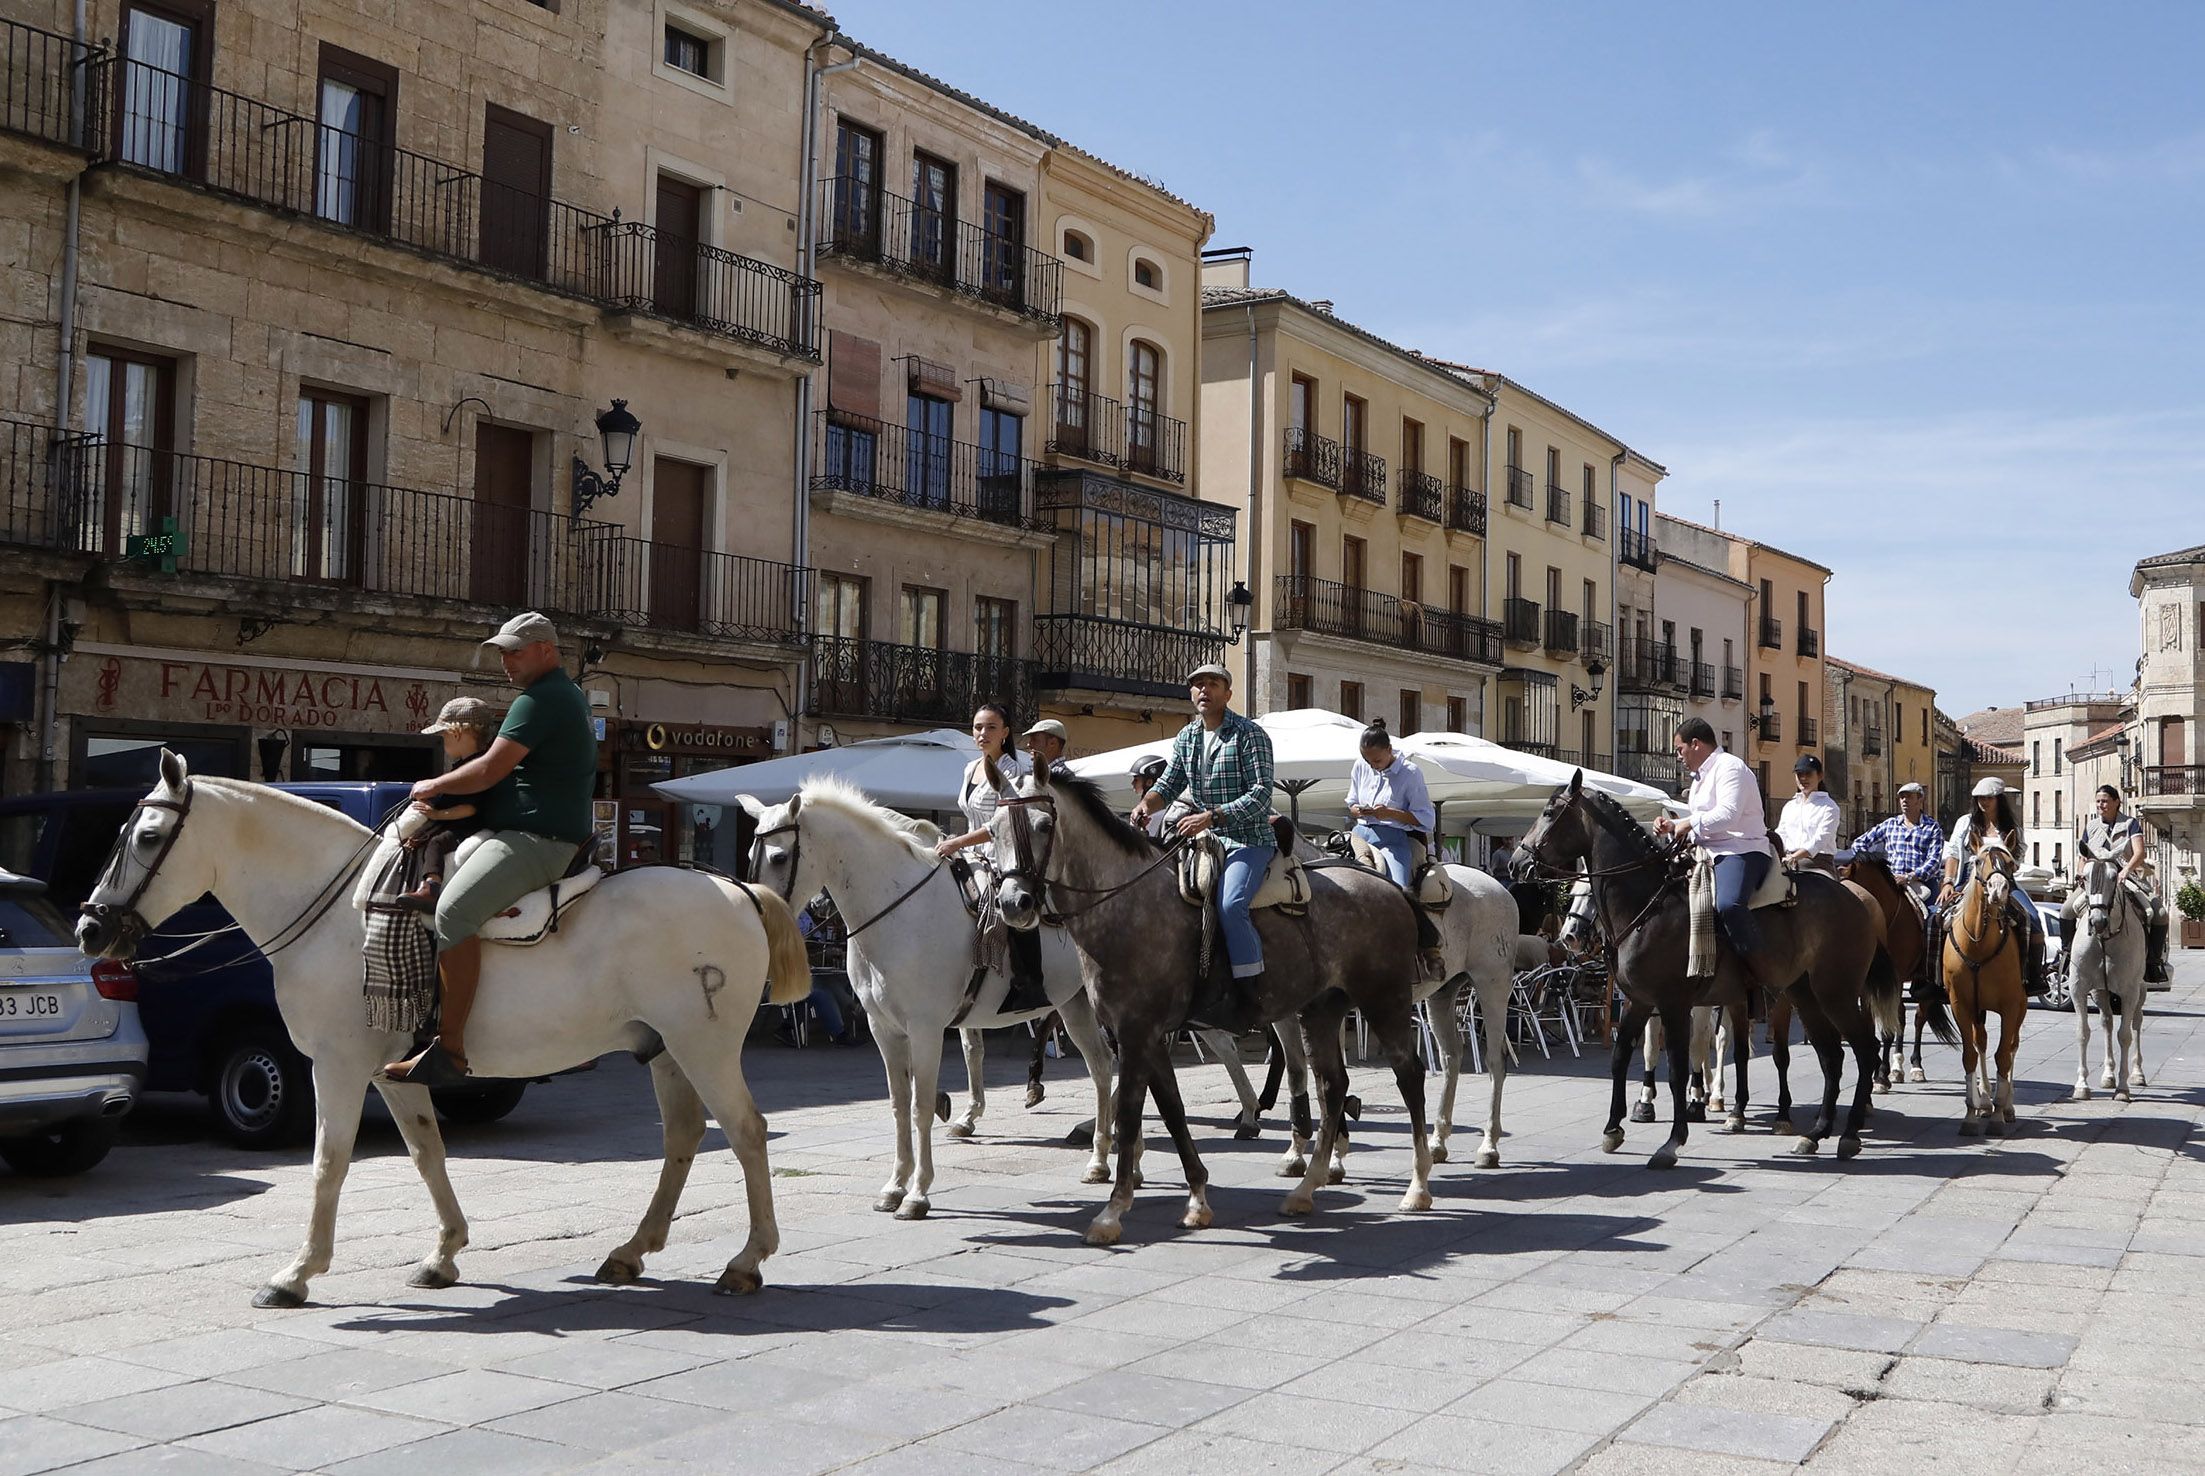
(1223, 762)
(1912, 842)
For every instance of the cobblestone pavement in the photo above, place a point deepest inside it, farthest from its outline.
(2035, 1304)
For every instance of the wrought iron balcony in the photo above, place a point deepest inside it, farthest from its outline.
(1648, 767)
(1558, 505)
(1422, 496)
(1871, 743)
(223, 141)
(1596, 519)
(1520, 621)
(1636, 548)
(912, 684)
(1810, 641)
(1086, 425)
(1703, 680)
(1519, 487)
(1596, 641)
(38, 86)
(861, 222)
(1093, 653)
(2174, 781)
(1561, 633)
(1362, 475)
(1466, 510)
(1648, 666)
(1771, 727)
(1155, 445)
(661, 587)
(1734, 684)
(1312, 458)
(1325, 607)
(1569, 756)
(1810, 731)
(891, 463)
(1772, 633)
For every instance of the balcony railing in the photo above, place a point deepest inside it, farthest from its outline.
(1568, 756)
(861, 222)
(1596, 519)
(1658, 769)
(1312, 458)
(1636, 548)
(1329, 608)
(38, 92)
(891, 463)
(1772, 727)
(1422, 496)
(657, 586)
(1597, 641)
(1561, 633)
(1558, 505)
(1466, 510)
(1810, 641)
(2174, 780)
(1810, 731)
(1362, 475)
(1772, 633)
(44, 483)
(1520, 621)
(1100, 654)
(1519, 487)
(1088, 426)
(1155, 445)
(1734, 684)
(1703, 680)
(1871, 743)
(238, 146)
(912, 684)
(1648, 666)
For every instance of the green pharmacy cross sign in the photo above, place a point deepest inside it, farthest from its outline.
(160, 548)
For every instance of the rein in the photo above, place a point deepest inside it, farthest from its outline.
(1034, 874)
(796, 852)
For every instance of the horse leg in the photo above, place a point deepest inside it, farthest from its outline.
(1970, 1020)
(681, 1111)
(1914, 1071)
(1037, 1061)
(1642, 1110)
(1408, 1074)
(415, 1115)
(1164, 1087)
(2009, 1041)
(714, 1065)
(1780, 1055)
(1707, 1061)
(2110, 1008)
(1080, 1023)
(1301, 1127)
(926, 1076)
(1327, 1057)
(2135, 1021)
(1133, 1084)
(1741, 1051)
(1274, 1060)
(1493, 998)
(2120, 1090)
(1628, 1033)
(976, 1083)
(2081, 1006)
(1676, 1029)
(339, 1095)
(1862, 1037)
(1827, 1043)
(1227, 1050)
(912, 1113)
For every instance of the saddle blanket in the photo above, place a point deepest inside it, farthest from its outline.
(531, 920)
(1284, 882)
(1780, 889)
(398, 950)
(1430, 883)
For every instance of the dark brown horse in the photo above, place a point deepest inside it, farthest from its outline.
(1822, 950)
(1906, 941)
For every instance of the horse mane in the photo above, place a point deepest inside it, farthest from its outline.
(1617, 820)
(1875, 861)
(827, 791)
(1089, 797)
(263, 794)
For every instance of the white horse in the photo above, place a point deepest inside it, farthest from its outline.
(911, 960)
(664, 956)
(2108, 962)
(1477, 942)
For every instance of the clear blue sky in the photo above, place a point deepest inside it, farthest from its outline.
(1913, 289)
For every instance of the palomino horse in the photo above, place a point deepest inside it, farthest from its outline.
(1061, 852)
(1906, 939)
(1823, 949)
(2108, 961)
(911, 961)
(1984, 977)
(658, 957)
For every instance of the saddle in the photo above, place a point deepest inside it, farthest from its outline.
(1285, 885)
(1429, 882)
(531, 920)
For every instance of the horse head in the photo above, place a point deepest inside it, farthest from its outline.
(1579, 932)
(2100, 887)
(152, 872)
(1022, 839)
(1560, 839)
(1994, 872)
(775, 846)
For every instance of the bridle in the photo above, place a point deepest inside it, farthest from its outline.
(796, 856)
(1545, 870)
(129, 924)
(1035, 873)
(1980, 883)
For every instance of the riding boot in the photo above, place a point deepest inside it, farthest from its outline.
(459, 969)
(1222, 1002)
(2155, 954)
(1027, 992)
(2033, 970)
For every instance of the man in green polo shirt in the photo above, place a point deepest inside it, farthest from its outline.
(532, 790)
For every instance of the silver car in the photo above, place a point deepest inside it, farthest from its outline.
(72, 1053)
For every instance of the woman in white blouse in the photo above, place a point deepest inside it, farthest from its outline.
(1808, 827)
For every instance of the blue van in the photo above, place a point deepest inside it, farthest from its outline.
(218, 1031)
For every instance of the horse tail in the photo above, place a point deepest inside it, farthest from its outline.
(1931, 1010)
(788, 961)
(1884, 1002)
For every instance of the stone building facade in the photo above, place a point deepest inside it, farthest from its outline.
(2166, 766)
(1686, 656)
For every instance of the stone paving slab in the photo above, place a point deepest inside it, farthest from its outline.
(2034, 1303)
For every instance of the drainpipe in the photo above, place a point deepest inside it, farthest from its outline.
(1615, 575)
(1485, 544)
(1255, 500)
(49, 694)
(807, 260)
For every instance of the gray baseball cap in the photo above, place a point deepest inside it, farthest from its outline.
(525, 629)
(1051, 727)
(464, 712)
(1209, 668)
(1913, 786)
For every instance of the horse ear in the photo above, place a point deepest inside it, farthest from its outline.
(1577, 782)
(751, 806)
(796, 802)
(994, 775)
(173, 770)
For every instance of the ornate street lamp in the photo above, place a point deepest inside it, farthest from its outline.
(1579, 696)
(1238, 602)
(617, 430)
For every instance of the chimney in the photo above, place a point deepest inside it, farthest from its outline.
(1323, 305)
(1226, 266)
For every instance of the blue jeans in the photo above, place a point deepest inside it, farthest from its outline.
(825, 1010)
(1244, 868)
(1391, 842)
(1737, 878)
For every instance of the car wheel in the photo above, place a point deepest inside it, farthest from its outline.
(71, 1148)
(469, 1105)
(262, 1089)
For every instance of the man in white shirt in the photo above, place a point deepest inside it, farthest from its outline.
(1724, 816)
(1808, 828)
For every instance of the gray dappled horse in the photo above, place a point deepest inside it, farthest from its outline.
(1821, 950)
(1061, 851)
(2107, 965)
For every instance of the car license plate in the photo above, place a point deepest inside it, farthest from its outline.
(29, 1004)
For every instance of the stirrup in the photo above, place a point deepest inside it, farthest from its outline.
(434, 1067)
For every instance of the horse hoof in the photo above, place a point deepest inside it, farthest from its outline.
(434, 1278)
(1293, 1168)
(616, 1272)
(1880, 1085)
(1097, 1173)
(2138, 1078)
(1351, 1107)
(1337, 1174)
(2106, 1081)
(1196, 1219)
(1994, 1128)
(1848, 1148)
(961, 1128)
(1297, 1204)
(271, 1297)
(1439, 1153)
(1248, 1131)
(1695, 1112)
(1611, 1140)
(1969, 1127)
(1642, 1112)
(2082, 1092)
(941, 1105)
(737, 1281)
(1735, 1123)
(889, 1199)
(914, 1207)
(1489, 1158)
(1416, 1199)
(1082, 1135)
(1806, 1147)
(1916, 1073)
(1034, 1095)
(1104, 1232)
(1665, 1157)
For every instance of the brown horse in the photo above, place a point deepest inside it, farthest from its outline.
(1983, 973)
(1886, 1009)
(1905, 939)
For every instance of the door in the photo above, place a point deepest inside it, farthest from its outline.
(1004, 213)
(680, 494)
(505, 464)
(329, 515)
(130, 401)
(1075, 427)
(1353, 577)
(857, 189)
(516, 192)
(674, 264)
(1144, 395)
(353, 164)
(927, 423)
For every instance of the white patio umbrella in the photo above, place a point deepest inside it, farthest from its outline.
(910, 772)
